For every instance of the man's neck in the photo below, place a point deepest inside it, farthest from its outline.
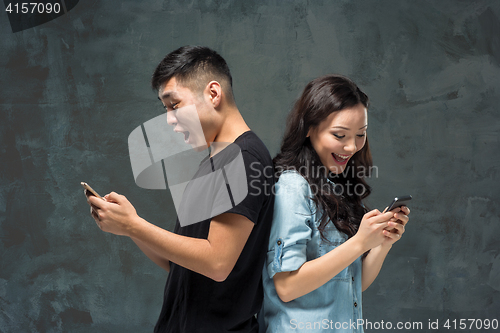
(234, 125)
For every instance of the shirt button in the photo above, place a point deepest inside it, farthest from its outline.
(355, 304)
(353, 279)
(279, 242)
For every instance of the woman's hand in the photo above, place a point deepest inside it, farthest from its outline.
(396, 226)
(372, 227)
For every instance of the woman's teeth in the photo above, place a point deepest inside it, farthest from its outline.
(341, 158)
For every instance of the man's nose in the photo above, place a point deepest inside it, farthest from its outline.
(171, 118)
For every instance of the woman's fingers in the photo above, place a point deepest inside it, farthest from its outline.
(401, 217)
(393, 235)
(395, 230)
(372, 213)
(397, 227)
(382, 217)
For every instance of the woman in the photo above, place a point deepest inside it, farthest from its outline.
(325, 247)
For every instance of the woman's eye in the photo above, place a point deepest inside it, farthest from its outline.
(339, 136)
(361, 135)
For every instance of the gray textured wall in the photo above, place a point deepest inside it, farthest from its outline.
(73, 89)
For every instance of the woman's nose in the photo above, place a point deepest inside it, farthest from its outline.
(350, 146)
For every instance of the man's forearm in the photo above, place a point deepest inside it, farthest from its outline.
(213, 257)
(157, 259)
(163, 246)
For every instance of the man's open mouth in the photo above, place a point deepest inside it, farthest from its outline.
(186, 136)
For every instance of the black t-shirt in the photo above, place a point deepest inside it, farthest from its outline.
(194, 303)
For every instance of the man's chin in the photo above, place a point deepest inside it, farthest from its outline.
(199, 148)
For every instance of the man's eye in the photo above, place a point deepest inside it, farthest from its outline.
(339, 136)
(171, 107)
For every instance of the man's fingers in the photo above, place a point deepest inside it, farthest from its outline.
(93, 200)
(94, 214)
(87, 194)
(113, 197)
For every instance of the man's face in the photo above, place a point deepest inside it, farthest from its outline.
(189, 112)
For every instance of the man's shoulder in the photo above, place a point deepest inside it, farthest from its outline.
(251, 144)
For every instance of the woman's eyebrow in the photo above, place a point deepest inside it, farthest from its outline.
(347, 129)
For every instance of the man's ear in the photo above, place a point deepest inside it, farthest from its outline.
(214, 91)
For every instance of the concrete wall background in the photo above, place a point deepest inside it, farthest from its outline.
(74, 88)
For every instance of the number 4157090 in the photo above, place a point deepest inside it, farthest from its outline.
(33, 8)
(471, 324)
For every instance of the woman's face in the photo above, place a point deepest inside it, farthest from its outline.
(339, 136)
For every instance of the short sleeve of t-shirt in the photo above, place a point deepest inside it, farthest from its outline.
(259, 187)
(291, 229)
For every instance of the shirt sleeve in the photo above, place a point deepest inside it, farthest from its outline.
(291, 229)
(259, 187)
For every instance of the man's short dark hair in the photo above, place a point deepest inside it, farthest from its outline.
(194, 67)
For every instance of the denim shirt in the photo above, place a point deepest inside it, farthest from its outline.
(295, 239)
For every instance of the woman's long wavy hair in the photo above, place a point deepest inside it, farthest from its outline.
(319, 99)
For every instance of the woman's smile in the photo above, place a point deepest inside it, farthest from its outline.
(341, 159)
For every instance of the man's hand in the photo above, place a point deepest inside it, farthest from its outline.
(213, 257)
(115, 214)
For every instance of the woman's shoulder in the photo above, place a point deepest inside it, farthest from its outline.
(292, 178)
(292, 184)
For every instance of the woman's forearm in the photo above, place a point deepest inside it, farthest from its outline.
(315, 273)
(372, 264)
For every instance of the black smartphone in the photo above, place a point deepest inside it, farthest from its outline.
(90, 189)
(399, 201)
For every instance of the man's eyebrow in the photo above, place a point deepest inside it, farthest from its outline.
(345, 128)
(169, 94)
(165, 95)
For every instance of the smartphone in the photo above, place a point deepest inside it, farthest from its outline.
(398, 202)
(90, 189)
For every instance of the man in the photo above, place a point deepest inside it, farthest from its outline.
(215, 266)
